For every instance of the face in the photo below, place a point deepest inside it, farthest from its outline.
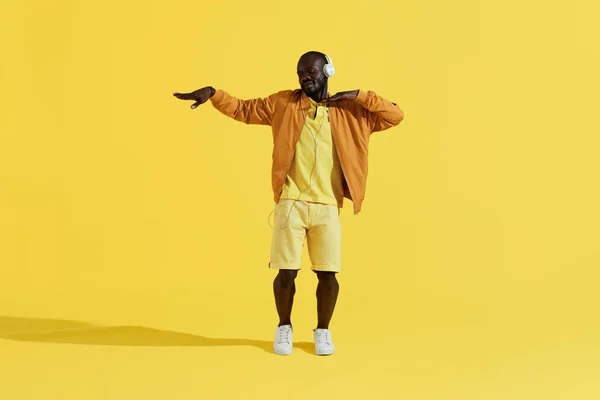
(310, 74)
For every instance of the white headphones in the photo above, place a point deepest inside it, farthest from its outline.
(328, 69)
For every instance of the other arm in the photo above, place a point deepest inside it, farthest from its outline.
(381, 113)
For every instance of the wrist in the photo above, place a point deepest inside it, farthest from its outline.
(361, 97)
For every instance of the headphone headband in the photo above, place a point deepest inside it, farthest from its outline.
(328, 68)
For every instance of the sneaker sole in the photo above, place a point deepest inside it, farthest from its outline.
(283, 353)
(325, 353)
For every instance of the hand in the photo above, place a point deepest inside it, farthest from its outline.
(199, 96)
(340, 96)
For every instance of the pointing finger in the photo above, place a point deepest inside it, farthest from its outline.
(183, 96)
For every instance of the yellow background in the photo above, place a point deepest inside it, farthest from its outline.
(133, 230)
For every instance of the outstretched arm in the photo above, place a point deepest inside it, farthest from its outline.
(255, 111)
(381, 113)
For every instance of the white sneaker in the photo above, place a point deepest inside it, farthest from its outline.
(283, 340)
(323, 343)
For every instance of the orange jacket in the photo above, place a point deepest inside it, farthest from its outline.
(352, 123)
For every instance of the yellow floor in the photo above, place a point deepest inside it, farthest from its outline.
(392, 342)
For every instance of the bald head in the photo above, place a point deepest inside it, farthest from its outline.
(310, 74)
(313, 56)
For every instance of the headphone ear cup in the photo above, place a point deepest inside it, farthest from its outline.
(328, 70)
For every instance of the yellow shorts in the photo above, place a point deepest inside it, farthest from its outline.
(318, 223)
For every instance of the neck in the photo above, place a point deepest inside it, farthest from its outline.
(320, 95)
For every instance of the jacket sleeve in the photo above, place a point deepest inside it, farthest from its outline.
(255, 111)
(381, 114)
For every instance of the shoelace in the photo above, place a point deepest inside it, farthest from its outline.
(323, 336)
(284, 336)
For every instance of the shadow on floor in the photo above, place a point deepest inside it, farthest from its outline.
(81, 333)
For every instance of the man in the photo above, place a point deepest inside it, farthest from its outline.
(320, 148)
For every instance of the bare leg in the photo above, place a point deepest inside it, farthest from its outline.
(284, 288)
(327, 293)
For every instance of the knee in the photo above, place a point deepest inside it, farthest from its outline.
(286, 276)
(326, 277)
